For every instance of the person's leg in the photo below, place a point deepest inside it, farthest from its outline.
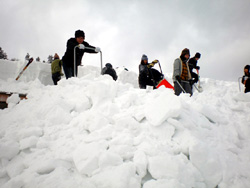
(56, 77)
(68, 71)
(247, 89)
(177, 89)
(187, 87)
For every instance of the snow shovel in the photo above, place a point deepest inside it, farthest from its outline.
(83, 47)
(164, 82)
(239, 83)
(181, 86)
(199, 83)
(26, 66)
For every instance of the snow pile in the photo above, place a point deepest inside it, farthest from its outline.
(94, 132)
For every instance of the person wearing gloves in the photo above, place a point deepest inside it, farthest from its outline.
(56, 69)
(246, 78)
(68, 58)
(148, 75)
(181, 74)
(192, 63)
(108, 69)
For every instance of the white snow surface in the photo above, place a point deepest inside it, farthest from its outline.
(93, 132)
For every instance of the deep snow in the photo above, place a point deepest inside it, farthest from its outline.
(93, 132)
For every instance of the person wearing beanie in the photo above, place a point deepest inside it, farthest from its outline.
(192, 63)
(246, 78)
(181, 74)
(148, 75)
(68, 58)
(108, 69)
(56, 69)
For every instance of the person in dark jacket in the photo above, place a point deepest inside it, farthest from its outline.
(148, 75)
(108, 69)
(68, 58)
(181, 74)
(56, 69)
(192, 63)
(246, 78)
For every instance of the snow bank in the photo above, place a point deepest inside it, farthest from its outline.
(94, 132)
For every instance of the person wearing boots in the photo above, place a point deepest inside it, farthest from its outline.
(181, 74)
(56, 69)
(148, 75)
(246, 78)
(192, 63)
(108, 69)
(68, 58)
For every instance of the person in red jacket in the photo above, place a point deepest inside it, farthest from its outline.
(68, 58)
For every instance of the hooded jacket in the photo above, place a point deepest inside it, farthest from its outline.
(178, 69)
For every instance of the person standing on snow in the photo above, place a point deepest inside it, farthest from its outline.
(181, 74)
(108, 69)
(68, 58)
(246, 78)
(148, 75)
(192, 63)
(56, 69)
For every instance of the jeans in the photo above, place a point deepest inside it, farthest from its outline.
(56, 77)
(69, 71)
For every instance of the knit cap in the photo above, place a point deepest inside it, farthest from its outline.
(144, 57)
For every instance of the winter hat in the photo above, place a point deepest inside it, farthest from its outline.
(56, 56)
(108, 65)
(144, 57)
(185, 51)
(198, 55)
(79, 33)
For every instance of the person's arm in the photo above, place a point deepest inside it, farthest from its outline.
(177, 71)
(92, 50)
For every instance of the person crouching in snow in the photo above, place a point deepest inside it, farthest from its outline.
(108, 69)
(68, 58)
(56, 69)
(246, 78)
(192, 63)
(148, 75)
(181, 74)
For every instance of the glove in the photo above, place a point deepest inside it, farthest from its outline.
(178, 78)
(97, 49)
(198, 68)
(150, 65)
(155, 61)
(81, 46)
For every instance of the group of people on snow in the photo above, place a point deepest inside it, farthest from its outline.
(183, 76)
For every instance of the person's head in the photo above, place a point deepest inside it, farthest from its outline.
(197, 56)
(80, 36)
(56, 56)
(185, 53)
(246, 69)
(144, 59)
(108, 65)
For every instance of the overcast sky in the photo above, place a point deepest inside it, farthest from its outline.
(126, 29)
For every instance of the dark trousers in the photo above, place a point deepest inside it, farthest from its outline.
(185, 85)
(195, 76)
(151, 80)
(69, 71)
(247, 86)
(56, 77)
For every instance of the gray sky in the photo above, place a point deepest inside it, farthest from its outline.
(126, 29)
